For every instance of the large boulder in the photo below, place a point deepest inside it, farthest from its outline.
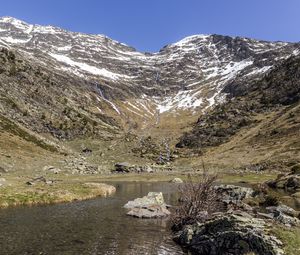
(231, 194)
(123, 167)
(284, 215)
(151, 211)
(150, 206)
(236, 234)
(290, 181)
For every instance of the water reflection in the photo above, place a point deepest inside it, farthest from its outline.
(96, 226)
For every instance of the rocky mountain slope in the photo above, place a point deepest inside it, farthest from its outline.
(189, 74)
(258, 126)
(278, 90)
(72, 85)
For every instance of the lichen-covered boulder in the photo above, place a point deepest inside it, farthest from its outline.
(236, 234)
(290, 181)
(284, 215)
(232, 193)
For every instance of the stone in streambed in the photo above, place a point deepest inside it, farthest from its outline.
(150, 206)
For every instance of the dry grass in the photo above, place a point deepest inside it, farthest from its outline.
(64, 190)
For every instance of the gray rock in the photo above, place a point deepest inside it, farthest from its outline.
(150, 206)
(284, 215)
(148, 169)
(176, 180)
(234, 194)
(3, 170)
(151, 211)
(153, 198)
(122, 167)
(285, 219)
(289, 181)
(283, 209)
(51, 169)
(237, 233)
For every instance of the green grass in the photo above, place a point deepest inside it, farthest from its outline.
(9, 198)
(251, 178)
(290, 238)
(9, 126)
(21, 194)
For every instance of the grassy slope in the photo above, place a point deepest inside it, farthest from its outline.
(254, 144)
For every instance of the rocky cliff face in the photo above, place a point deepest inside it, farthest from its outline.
(61, 77)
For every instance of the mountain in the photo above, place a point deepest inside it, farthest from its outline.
(72, 85)
(260, 118)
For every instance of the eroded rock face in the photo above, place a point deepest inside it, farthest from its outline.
(237, 233)
(150, 206)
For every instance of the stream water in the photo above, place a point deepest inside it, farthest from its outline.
(97, 226)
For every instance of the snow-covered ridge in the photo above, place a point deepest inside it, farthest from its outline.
(187, 75)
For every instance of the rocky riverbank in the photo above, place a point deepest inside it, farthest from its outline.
(238, 225)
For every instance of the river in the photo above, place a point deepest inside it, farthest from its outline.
(97, 226)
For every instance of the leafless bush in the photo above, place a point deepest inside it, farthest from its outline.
(197, 200)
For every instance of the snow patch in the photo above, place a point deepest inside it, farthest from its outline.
(182, 100)
(9, 39)
(88, 68)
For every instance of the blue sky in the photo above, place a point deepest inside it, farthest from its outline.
(148, 25)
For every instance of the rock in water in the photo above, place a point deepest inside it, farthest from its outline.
(176, 180)
(152, 211)
(235, 234)
(150, 206)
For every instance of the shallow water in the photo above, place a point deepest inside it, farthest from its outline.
(97, 226)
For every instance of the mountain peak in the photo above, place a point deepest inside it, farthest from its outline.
(190, 73)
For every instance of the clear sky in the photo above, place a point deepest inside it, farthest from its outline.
(148, 25)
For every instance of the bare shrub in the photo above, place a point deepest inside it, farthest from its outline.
(197, 200)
